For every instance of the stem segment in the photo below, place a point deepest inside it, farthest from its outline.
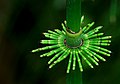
(73, 14)
(73, 17)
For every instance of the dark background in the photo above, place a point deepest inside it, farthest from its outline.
(22, 23)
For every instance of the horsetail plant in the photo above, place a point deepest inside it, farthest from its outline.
(88, 49)
(75, 42)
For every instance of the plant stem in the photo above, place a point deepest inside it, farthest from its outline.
(73, 14)
(74, 77)
(73, 17)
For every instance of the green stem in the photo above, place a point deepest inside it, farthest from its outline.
(73, 17)
(74, 77)
(73, 14)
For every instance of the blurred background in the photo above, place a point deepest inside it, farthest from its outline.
(22, 23)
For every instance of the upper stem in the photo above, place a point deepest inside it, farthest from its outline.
(73, 14)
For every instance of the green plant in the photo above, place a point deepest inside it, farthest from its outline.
(88, 48)
(74, 41)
